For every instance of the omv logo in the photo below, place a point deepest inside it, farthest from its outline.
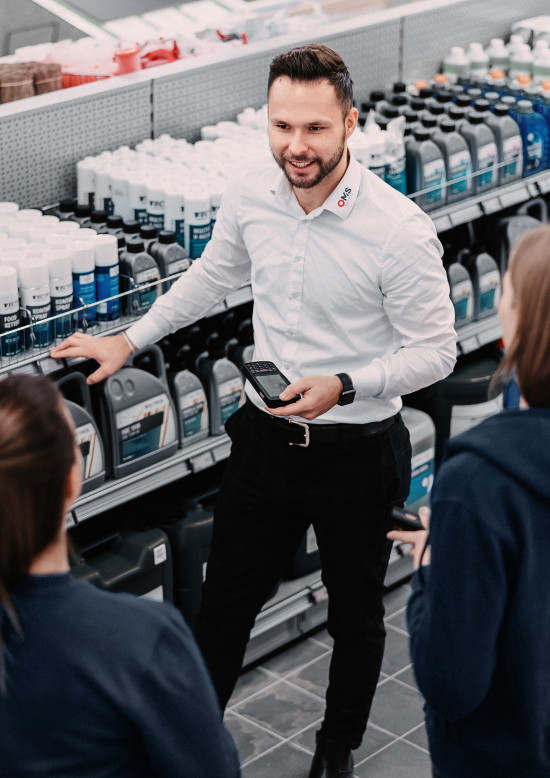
(344, 197)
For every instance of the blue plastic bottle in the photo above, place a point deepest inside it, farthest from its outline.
(535, 137)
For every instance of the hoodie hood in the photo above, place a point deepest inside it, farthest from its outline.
(517, 442)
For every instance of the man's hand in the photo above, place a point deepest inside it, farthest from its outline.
(319, 394)
(111, 352)
(416, 539)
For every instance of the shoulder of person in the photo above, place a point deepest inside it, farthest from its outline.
(254, 176)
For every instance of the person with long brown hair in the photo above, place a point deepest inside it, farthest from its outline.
(91, 683)
(479, 612)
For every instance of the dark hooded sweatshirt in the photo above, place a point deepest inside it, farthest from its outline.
(479, 614)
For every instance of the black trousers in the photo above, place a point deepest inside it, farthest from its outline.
(271, 492)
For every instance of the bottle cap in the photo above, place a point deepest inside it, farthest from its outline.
(524, 79)
(67, 205)
(82, 211)
(12, 257)
(34, 272)
(447, 125)
(49, 221)
(167, 237)
(82, 255)
(130, 227)
(114, 222)
(28, 214)
(135, 245)
(425, 92)
(444, 96)
(481, 106)
(85, 233)
(105, 250)
(35, 249)
(58, 241)
(428, 120)
(421, 133)
(437, 109)
(390, 111)
(376, 95)
(98, 217)
(20, 229)
(524, 106)
(66, 227)
(18, 244)
(59, 263)
(475, 118)
(8, 281)
(501, 109)
(420, 84)
(463, 101)
(148, 231)
(497, 74)
(399, 86)
(8, 208)
(399, 99)
(418, 104)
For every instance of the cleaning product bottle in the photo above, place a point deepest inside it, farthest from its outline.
(107, 283)
(34, 281)
(190, 399)
(509, 143)
(61, 291)
(223, 382)
(10, 318)
(138, 269)
(170, 256)
(462, 292)
(458, 160)
(456, 64)
(425, 171)
(483, 149)
(535, 138)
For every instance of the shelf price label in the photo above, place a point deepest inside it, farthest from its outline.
(544, 185)
(201, 461)
(516, 195)
(491, 205)
(442, 223)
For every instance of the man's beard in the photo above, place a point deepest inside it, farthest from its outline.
(324, 168)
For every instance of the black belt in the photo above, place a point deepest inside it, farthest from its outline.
(300, 433)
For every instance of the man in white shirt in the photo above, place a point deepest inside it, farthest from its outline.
(352, 303)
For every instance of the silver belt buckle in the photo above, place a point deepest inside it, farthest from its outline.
(305, 444)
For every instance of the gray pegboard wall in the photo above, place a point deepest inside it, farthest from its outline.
(41, 146)
(428, 35)
(185, 101)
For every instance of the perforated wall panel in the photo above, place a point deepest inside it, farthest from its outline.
(39, 148)
(184, 102)
(429, 35)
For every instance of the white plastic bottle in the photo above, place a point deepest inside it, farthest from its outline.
(456, 64)
(155, 206)
(479, 60)
(137, 195)
(107, 277)
(198, 221)
(521, 62)
(10, 342)
(541, 62)
(85, 181)
(61, 290)
(174, 214)
(83, 264)
(498, 54)
(120, 193)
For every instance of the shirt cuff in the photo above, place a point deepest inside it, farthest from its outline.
(368, 381)
(144, 332)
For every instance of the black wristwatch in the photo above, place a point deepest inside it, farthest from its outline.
(348, 392)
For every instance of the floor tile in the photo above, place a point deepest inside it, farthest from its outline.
(396, 707)
(398, 619)
(250, 682)
(399, 760)
(283, 708)
(396, 599)
(406, 676)
(396, 652)
(285, 761)
(322, 636)
(313, 677)
(250, 739)
(419, 737)
(294, 657)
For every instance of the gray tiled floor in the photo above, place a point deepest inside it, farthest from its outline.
(278, 705)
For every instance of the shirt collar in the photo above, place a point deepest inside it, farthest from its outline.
(340, 201)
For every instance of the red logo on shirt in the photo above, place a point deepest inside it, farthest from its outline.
(344, 197)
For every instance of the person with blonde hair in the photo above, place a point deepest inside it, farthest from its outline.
(92, 684)
(479, 612)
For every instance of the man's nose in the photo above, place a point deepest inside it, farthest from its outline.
(298, 143)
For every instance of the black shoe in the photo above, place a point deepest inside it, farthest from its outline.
(331, 759)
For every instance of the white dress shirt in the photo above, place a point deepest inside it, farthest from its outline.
(356, 286)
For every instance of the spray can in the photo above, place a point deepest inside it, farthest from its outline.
(425, 170)
(198, 222)
(10, 317)
(61, 291)
(82, 252)
(170, 256)
(107, 277)
(35, 300)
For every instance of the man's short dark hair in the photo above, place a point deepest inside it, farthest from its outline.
(314, 62)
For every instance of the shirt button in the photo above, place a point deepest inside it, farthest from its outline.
(298, 259)
(290, 333)
(286, 367)
(294, 295)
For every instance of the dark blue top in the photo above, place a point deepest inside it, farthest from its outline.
(103, 685)
(479, 614)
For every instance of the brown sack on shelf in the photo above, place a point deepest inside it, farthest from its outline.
(16, 82)
(47, 77)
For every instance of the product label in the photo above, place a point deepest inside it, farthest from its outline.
(140, 214)
(231, 397)
(64, 325)
(84, 292)
(214, 214)
(194, 415)
(379, 170)
(107, 285)
(155, 213)
(147, 297)
(38, 308)
(512, 153)
(489, 291)
(199, 235)
(10, 319)
(179, 229)
(422, 474)
(487, 158)
(462, 297)
(178, 266)
(460, 171)
(108, 206)
(86, 440)
(396, 175)
(434, 178)
(534, 150)
(144, 428)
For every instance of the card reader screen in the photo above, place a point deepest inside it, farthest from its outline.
(272, 385)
